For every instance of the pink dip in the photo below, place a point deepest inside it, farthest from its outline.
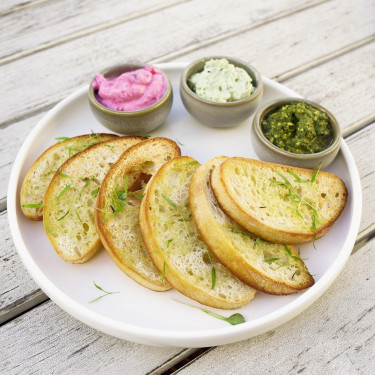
(131, 91)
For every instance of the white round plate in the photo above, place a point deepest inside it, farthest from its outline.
(136, 313)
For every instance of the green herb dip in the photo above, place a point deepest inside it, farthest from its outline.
(298, 128)
(221, 81)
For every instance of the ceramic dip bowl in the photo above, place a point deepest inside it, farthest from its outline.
(131, 122)
(220, 114)
(267, 151)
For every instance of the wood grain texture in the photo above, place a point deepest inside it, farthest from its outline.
(10, 6)
(16, 286)
(336, 335)
(47, 340)
(56, 21)
(61, 69)
(281, 45)
(361, 145)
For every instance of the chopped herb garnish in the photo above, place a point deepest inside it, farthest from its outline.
(62, 174)
(297, 178)
(194, 162)
(233, 319)
(169, 201)
(66, 188)
(32, 205)
(123, 193)
(60, 139)
(167, 245)
(62, 217)
(76, 212)
(295, 197)
(313, 178)
(86, 184)
(247, 234)
(269, 260)
(111, 147)
(291, 255)
(163, 273)
(48, 229)
(101, 289)
(95, 192)
(213, 277)
(93, 134)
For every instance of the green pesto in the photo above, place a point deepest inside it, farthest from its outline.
(298, 128)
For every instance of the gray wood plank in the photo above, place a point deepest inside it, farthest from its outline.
(16, 287)
(47, 340)
(59, 70)
(10, 6)
(59, 20)
(294, 40)
(361, 145)
(336, 335)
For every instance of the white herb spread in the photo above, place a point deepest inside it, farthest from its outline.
(221, 81)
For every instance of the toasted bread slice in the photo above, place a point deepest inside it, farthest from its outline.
(174, 244)
(69, 202)
(40, 174)
(265, 266)
(116, 217)
(279, 203)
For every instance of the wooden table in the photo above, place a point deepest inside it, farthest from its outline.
(322, 49)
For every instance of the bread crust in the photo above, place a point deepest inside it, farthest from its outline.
(69, 203)
(241, 253)
(329, 200)
(127, 251)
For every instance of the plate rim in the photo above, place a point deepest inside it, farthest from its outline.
(176, 338)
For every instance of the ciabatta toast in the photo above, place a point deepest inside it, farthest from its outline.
(40, 174)
(279, 203)
(117, 210)
(174, 244)
(69, 202)
(265, 266)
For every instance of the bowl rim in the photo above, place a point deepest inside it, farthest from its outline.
(146, 110)
(232, 60)
(263, 110)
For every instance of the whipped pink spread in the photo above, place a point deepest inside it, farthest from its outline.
(131, 91)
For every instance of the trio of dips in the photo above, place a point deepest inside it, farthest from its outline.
(297, 127)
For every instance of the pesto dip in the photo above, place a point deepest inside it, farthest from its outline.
(221, 82)
(298, 128)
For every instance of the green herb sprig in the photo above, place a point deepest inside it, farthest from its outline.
(233, 319)
(296, 197)
(103, 295)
